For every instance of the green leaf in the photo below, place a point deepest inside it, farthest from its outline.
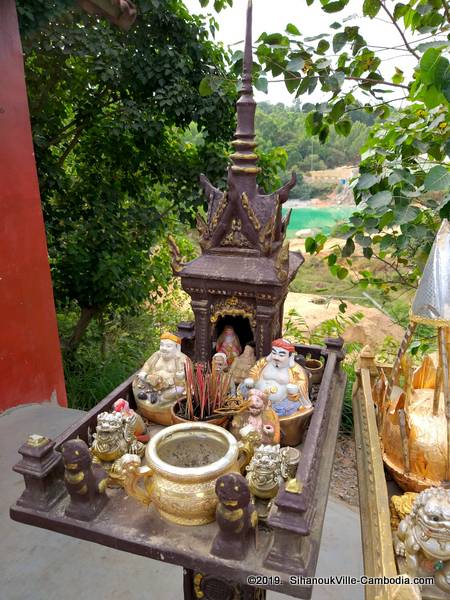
(342, 273)
(261, 84)
(398, 77)
(323, 134)
(332, 258)
(366, 180)
(406, 215)
(313, 122)
(386, 219)
(292, 29)
(437, 179)
(273, 38)
(437, 44)
(335, 6)
(295, 64)
(291, 81)
(322, 64)
(205, 88)
(339, 41)
(380, 199)
(310, 245)
(308, 107)
(358, 44)
(322, 46)
(371, 8)
(349, 248)
(344, 127)
(400, 10)
(428, 63)
(335, 25)
(338, 110)
(363, 240)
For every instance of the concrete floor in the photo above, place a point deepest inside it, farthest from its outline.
(41, 565)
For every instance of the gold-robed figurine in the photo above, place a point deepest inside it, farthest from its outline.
(161, 381)
(414, 410)
(286, 384)
(283, 380)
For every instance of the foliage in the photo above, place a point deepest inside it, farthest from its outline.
(115, 346)
(109, 111)
(405, 172)
(36, 14)
(298, 329)
(280, 125)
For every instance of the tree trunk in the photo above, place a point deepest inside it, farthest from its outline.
(86, 316)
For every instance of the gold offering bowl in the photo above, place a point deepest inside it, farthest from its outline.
(294, 426)
(183, 463)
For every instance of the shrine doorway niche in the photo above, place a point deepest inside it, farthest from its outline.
(241, 326)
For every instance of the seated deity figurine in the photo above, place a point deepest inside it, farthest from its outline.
(259, 418)
(285, 382)
(161, 381)
(228, 343)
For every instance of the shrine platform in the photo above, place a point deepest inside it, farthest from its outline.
(40, 565)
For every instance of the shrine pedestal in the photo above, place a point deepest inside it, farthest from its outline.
(281, 548)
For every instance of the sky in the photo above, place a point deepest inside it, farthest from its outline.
(273, 16)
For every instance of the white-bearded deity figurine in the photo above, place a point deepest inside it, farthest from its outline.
(284, 381)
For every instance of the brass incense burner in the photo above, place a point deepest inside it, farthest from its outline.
(183, 463)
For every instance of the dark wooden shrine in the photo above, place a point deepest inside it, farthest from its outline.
(286, 545)
(242, 276)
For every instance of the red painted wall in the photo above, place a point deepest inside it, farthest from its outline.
(30, 357)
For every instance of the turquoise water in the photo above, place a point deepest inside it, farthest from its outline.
(317, 218)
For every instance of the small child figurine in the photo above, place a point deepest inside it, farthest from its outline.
(85, 482)
(260, 417)
(140, 430)
(236, 517)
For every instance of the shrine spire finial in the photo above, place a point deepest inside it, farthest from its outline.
(248, 58)
(244, 159)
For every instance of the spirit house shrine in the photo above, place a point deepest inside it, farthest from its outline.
(242, 276)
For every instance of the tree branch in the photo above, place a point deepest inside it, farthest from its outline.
(72, 143)
(397, 27)
(394, 268)
(446, 10)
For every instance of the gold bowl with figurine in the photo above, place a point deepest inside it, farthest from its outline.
(182, 464)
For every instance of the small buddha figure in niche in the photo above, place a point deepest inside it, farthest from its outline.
(228, 343)
(161, 381)
(259, 417)
(285, 382)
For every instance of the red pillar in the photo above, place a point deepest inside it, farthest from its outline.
(30, 357)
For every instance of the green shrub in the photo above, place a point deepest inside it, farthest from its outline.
(115, 347)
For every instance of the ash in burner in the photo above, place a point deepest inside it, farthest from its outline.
(188, 453)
